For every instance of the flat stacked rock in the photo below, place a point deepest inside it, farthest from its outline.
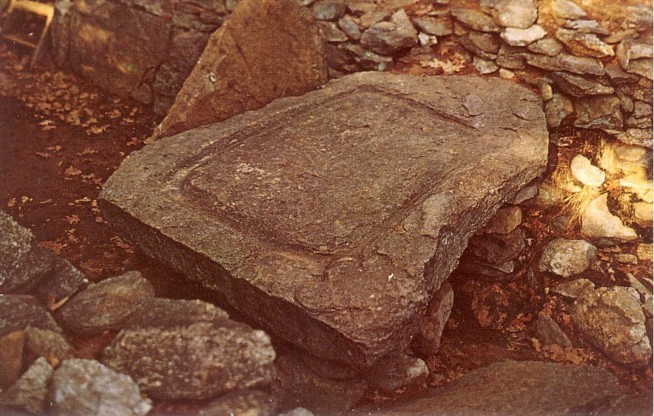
(331, 219)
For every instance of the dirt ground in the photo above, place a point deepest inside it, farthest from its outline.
(61, 138)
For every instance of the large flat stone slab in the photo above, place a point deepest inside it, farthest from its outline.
(330, 219)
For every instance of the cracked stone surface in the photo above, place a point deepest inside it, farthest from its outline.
(331, 219)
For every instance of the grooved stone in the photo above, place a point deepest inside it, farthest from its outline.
(331, 219)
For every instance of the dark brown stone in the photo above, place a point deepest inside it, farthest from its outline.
(244, 67)
(330, 219)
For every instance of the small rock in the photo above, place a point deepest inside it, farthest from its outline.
(475, 20)
(638, 137)
(505, 220)
(587, 26)
(572, 289)
(197, 361)
(331, 33)
(584, 171)
(612, 320)
(546, 91)
(644, 251)
(566, 62)
(428, 338)
(549, 47)
(427, 40)
(646, 297)
(248, 402)
(567, 257)
(522, 37)
(349, 27)
(584, 44)
(618, 37)
(397, 371)
(567, 9)
(598, 222)
(550, 333)
(298, 411)
(169, 313)
(629, 50)
(44, 343)
(30, 391)
(329, 10)
(300, 386)
(527, 192)
(599, 112)
(388, 38)
(436, 26)
(643, 214)
(626, 258)
(511, 57)
(86, 387)
(497, 248)
(579, 86)
(11, 357)
(485, 42)
(557, 109)
(506, 74)
(484, 66)
(22, 311)
(516, 13)
(372, 17)
(106, 305)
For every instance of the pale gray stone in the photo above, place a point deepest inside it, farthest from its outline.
(522, 37)
(599, 222)
(516, 13)
(567, 257)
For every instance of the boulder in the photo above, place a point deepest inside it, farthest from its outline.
(266, 50)
(330, 219)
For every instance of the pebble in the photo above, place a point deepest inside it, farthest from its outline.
(598, 222)
(506, 74)
(86, 387)
(427, 40)
(567, 9)
(557, 109)
(579, 86)
(519, 14)
(475, 20)
(584, 171)
(612, 319)
(522, 37)
(106, 305)
(30, 391)
(584, 44)
(484, 66)
(549, 47)
(567, 257)
(396, 371)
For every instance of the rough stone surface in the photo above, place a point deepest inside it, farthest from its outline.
(44, 343)
(505, 220)
(298, 385)
(168, 313)
(549, 47)
(550, 333)
(514, 388)
(612, 319)
(428, 338)
(476, 20)
(567, 62)
(18, 312)
(522, 37)
(599, 112)
(437, 26)
(567, 257)
(557, 109)
(579, 86)
(598, 222)
(271, 207)
(106, 305)
(86, 387)
(30, 391)
(26, 267)
(584, 44)
(497, 248)
(243, 67)
(567, 9)
(11, 357)
(388, 38)
(248, 402)
(397, 371)
(572, 289)
(198, 361)
(516, 13)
